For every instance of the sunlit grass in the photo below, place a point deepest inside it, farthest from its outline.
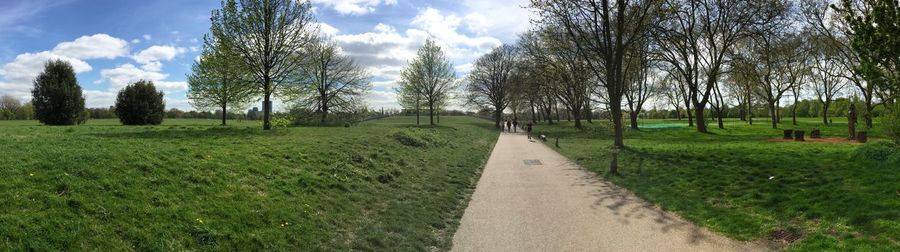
(737, 181)
(192, 185)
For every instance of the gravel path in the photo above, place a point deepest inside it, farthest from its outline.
(557, 206)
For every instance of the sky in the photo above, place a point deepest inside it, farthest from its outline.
(112, 43)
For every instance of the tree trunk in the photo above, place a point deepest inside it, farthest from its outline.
(701, 118)
(431, 113)
(678, 113)
(825, 113)
(533, 119)
(577, 115)
(719, 115)
(687, 111)
(774, 115)
(618, 142)
(633, 119)
(497, 114)
(868, 113)
(417, 112)
(324, 114)
(267, 108)
(224, 113)
(794, 112)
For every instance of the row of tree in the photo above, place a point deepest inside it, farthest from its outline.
(263, 48)
(705, 57)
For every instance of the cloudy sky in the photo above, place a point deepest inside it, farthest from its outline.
(112, 43)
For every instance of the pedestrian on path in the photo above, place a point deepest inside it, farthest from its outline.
(508, 126)
(528, 129)
(515, 125)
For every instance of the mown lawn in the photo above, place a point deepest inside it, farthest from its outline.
(191, 185)
(737, 181)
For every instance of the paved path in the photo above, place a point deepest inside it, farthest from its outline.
(558, 206)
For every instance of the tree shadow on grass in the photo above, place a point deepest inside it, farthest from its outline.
(629, 208)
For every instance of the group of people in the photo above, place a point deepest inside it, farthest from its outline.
(512, 126)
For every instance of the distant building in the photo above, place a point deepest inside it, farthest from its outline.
(254, 114)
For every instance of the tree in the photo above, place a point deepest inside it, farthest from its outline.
(140, 104)
(830, 24)
(219, 80)
(408, 95)
(826, 78)
(26, 112)
(9, 106)
(431, 75)
(672, 94)
(773, 63)
(329, 81)
(269, 35)
(696, 37)
(603, 32)
(875, 39)
(489, 84)
(642, 83)
(57, 97)
(559, 60)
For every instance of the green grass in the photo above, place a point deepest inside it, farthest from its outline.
(841, 197)
(191, 185)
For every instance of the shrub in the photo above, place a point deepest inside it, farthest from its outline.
(140, 104)
(892, 123)
(57, 96)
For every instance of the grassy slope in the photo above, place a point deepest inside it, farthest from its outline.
(190, 185)
(840, 196)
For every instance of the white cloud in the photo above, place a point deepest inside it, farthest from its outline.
(150, 58)
(382, 99)
(20, 73)
(147, 37)
(99, 99)
(93, 47)
(353, 7)
(125, 74)
(135, 41)
(514, 20)
(327, 30)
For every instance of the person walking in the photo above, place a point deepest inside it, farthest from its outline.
(515, 125)
(528, 130)
(508, 126)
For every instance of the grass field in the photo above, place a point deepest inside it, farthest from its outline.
(738, 181)
(191, 185)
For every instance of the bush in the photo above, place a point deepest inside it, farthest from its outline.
(57, 96)
(140, 104)
(892, 123)
(877, 151)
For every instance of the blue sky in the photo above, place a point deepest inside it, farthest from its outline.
(112, 42)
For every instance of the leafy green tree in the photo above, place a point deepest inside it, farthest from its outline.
(876, 39)
(431, 75)
(140, 104)
(269, 36)
(57, 97)
(219, 80)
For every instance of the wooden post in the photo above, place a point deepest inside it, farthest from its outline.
(798, 135)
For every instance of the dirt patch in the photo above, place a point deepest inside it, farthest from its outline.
(837, 140)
